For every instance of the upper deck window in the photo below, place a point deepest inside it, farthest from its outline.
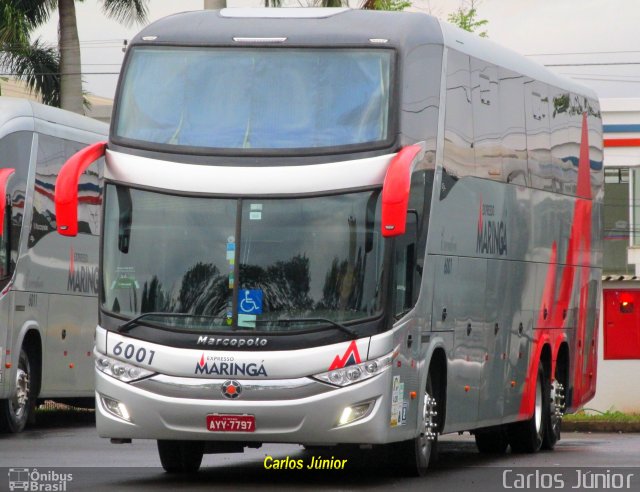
(255, 98)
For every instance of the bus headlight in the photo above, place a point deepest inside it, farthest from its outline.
(120, 370)
(356, 373)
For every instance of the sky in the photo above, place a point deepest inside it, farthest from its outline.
(552, 32)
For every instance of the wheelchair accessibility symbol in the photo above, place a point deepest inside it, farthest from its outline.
(250, 301)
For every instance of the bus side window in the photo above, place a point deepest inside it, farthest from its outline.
(538, 138)
(486, 120)
(15, 151)
(594, 123)
(404, 267)
(5, 242)
(514, 135)
(410, 247)
(459, 157)
(562, 154)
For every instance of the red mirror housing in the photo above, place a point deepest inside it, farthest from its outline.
(395, 191)
(5, 174)
(66, 195)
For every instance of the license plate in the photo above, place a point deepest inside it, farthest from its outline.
(231, 423)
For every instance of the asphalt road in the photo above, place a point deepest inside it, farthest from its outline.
(95, 464)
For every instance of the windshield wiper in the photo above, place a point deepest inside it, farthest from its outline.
(133, 322)
(335, 324)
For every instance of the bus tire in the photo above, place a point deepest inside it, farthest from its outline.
(527, 436)
(414, 456)
(180, 456)
(492, 441)
(16, 411)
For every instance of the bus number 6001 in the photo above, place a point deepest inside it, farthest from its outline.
(130, 352)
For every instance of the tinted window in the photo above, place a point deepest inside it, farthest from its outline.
(255, 98)
(459, 157)
(15, 151)
(52, 154)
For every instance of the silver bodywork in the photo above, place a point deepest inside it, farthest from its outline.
(483, 305)
(51, 293)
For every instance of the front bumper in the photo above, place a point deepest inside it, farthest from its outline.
(304, 414)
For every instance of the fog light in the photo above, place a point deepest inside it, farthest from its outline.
(115, 407)
(355, 412)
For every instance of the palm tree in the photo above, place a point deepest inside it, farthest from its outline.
(34, 63)
(70, 68)
(124, 11)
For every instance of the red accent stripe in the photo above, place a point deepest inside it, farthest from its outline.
(340, 362)
(5, 174)
(395, 191)
(622, 142)
(577, 268)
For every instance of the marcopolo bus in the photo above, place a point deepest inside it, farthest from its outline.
(48, 303)
(331, 226)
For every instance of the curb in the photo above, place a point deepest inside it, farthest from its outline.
(600, 426)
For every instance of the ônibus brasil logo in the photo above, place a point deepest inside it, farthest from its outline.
(492, 233)
(208, 365)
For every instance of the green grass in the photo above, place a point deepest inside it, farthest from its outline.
(608, 416)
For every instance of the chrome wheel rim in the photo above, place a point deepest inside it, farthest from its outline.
(20, 399)
(556, 404)
(428, 433)
(538, 410)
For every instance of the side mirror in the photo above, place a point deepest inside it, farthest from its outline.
(66, 194)
(396, 189)
(5, 175)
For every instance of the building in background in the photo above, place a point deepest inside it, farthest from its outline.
(619, 350)
(100, 106)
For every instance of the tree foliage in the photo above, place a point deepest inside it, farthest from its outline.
(393, 5)
(33, 63)
(43, 68)
(466, 17)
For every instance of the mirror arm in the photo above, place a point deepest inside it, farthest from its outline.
(396, 188)
(66, 191)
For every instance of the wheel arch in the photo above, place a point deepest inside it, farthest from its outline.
(437, 368)
(30, 338)
(563, 365)
(546, 359)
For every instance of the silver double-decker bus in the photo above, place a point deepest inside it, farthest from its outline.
(48, 283)
(331, 226)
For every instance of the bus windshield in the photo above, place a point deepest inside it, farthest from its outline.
(255, 98)
(269, 265)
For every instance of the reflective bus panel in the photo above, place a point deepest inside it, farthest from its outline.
(319, 231)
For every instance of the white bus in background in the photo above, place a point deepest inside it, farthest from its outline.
(49, 283)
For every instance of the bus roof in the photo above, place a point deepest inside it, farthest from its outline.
(487, 50)
(12, 107)
(337, 27)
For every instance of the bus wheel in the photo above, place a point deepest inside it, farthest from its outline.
(181, 456)
(492, 441)
(527, 436)
(15, 411)
(554, 418)
(413, 456)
